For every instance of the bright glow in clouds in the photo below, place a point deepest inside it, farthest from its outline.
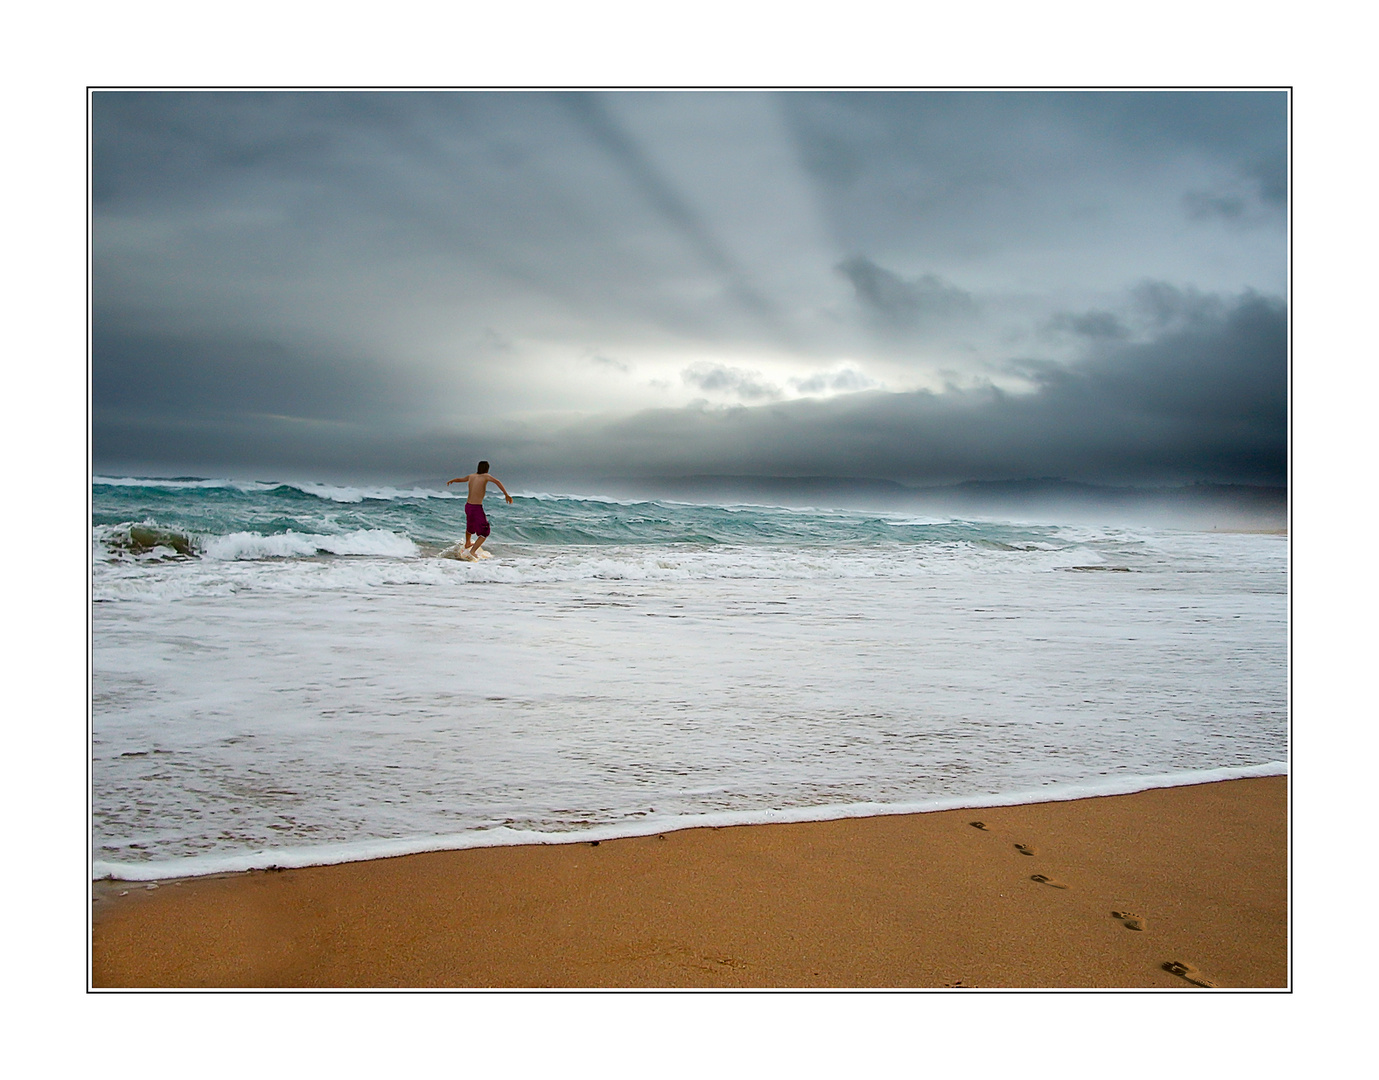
(427, 270)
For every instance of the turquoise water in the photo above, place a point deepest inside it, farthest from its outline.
(190, 513)
(287, 673)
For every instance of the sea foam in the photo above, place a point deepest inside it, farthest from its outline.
(276, 671)
(245, 545)
(334, 854)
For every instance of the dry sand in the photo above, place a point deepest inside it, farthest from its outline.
(1198, 876)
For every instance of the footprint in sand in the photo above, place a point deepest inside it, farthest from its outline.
(1130, 919)
(978, 825)
(1185, 970)
(1043, 880)
(1025, 849)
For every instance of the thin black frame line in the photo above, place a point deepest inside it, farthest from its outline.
(596, 88)
(1288, 88)
(90, 572)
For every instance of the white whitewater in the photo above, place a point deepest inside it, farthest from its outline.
(335, 691)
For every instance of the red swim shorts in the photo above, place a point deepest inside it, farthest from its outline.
(475, 520)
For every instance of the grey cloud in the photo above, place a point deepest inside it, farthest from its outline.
(1168, 306)
(1151, 309)
(1207, 400)
(309, 277)
(490, 341)
(1202, 205)
(961, 135)
(1270, 173)
(407, 192)
(608, 362)
(971, 174)
(223, 376)
(519, 210)
(1226, 366)
(1091, 324)
(1204, 398)
(901, 303)
(716, 378)
(674, 208)
(845, 381)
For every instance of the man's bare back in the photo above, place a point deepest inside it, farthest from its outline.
(478, 484)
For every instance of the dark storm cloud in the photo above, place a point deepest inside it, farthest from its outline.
(1170, 306)
(897, 169)
(378, 282)
(535, 213)
(203, 376)
(406, 187)
(1206, 398)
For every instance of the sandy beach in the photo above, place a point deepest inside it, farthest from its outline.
(1094, 893)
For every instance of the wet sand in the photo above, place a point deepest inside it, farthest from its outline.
(1093, 893)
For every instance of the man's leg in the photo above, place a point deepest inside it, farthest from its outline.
(467, 535)
(478, 543)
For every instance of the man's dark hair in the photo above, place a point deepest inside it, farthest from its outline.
(483, 467)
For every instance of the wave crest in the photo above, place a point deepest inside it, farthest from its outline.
(148, 539)
(340, 493)
(249, 545)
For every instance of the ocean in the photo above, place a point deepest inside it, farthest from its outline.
(286, 674)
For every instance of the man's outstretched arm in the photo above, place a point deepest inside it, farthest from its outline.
(500, 485)
(458, 480)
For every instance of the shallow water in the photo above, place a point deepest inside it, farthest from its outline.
(312, 679)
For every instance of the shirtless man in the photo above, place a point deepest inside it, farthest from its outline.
(475, 520)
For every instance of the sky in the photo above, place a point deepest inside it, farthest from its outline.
(925, 287)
